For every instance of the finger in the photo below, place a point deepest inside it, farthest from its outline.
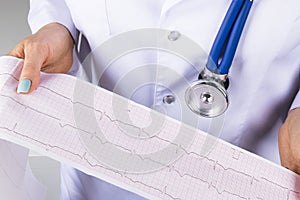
(18, 51)
(30, 76)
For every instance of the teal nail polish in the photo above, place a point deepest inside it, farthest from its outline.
(24, 86)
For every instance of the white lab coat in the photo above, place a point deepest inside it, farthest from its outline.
(264, 78)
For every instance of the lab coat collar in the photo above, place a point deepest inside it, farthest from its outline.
(168, 4)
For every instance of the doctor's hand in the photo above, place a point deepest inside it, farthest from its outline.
(289, 141)
(49, 50)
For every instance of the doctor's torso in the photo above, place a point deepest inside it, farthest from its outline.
(264, 77)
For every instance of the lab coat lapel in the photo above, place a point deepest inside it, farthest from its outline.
(168, 5)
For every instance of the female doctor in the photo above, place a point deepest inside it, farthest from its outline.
(264, 77)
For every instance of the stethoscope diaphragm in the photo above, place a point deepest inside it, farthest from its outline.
(208, 98)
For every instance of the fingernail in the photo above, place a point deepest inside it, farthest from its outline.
(24, 86)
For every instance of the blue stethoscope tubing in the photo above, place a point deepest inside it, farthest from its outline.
(208, 96)
(231, 30)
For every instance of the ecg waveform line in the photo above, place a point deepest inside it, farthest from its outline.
(94, 165)
(82, 130)
(162, 191)
(106, 142)
(41, 113)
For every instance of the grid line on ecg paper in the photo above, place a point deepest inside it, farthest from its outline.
(172, 169)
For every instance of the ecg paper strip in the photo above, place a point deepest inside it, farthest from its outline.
(46, 122)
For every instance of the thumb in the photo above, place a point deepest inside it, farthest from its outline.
(30, 75)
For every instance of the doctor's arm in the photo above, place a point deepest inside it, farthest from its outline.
(51, 43)
(289, 141)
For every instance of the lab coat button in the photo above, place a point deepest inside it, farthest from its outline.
(168, 99)
(174, 35)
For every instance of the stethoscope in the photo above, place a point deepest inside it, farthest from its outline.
(208, 96)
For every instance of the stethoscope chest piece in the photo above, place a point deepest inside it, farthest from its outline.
(207, 97)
